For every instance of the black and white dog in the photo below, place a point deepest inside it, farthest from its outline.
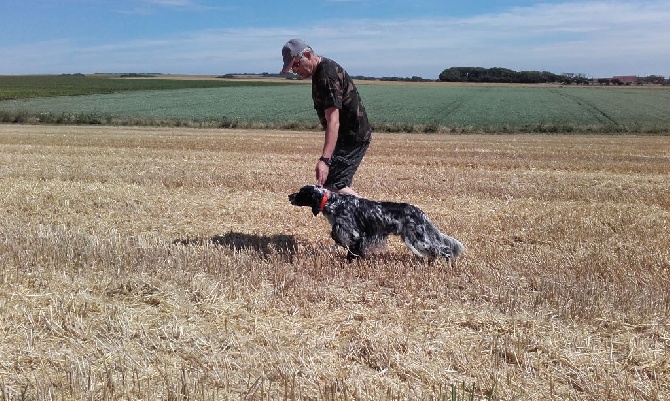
(361, 224)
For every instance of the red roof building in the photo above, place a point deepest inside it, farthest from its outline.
(626, 79)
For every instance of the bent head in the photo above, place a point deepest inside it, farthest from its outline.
(309, 195)
(299, 58)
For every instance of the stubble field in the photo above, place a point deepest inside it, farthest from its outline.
(167, 263)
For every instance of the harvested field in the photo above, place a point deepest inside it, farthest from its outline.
(149, 263)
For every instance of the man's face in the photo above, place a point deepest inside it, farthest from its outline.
(303, 65)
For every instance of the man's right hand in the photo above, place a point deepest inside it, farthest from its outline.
(321, 173)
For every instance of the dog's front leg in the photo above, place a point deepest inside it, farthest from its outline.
(348, 240)
(354, 252)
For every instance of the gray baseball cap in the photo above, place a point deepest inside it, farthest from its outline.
(291, 49)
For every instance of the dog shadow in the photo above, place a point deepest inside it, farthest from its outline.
(284, 246)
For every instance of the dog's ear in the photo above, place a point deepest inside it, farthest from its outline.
(316, 199)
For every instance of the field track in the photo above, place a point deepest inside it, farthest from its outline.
(167, 263)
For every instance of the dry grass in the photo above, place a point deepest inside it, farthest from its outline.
(168, 264)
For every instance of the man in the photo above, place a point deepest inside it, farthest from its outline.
(341, 112)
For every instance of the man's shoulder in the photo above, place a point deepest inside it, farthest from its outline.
(330, 62)
(330, 67)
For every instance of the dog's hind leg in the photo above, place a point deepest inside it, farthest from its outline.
(427, 242)
(413, 243)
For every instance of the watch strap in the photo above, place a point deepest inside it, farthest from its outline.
(326, 160)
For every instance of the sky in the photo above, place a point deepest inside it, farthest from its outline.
(381, 38)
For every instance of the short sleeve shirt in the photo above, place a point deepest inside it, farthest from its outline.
(332, 87)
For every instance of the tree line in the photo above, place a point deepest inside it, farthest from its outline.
(502, 75)
(505, 75)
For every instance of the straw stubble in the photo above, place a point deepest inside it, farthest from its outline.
(168, 263)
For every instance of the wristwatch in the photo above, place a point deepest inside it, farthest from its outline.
(326, 160)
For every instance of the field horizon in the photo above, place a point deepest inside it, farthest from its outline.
(433, 107)
(167, 263)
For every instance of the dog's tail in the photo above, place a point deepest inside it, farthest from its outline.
(455, 248)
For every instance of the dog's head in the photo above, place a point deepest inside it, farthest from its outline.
(309, 195)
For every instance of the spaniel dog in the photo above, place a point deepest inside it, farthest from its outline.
(359, 224)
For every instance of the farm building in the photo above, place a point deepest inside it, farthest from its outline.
(625, 79)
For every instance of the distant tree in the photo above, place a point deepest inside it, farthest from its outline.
(531, 77)
(476, 74)
(498, 74)
(405, 79)
(652, 79)
(452, 74)
(501, 75)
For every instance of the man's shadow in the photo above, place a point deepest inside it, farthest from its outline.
(281, 245)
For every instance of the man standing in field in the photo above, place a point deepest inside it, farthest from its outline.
(340, 110)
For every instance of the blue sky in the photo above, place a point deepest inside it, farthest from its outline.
(368, 37)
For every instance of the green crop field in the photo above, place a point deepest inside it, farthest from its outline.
(424, 108)
(31, 86)
(519, 106)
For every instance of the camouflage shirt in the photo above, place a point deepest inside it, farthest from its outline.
(332, 87)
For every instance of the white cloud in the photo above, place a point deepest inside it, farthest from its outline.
(600, 38)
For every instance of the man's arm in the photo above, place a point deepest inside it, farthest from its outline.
(332, 129)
